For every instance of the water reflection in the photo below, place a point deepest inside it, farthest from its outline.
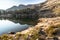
(9, 26)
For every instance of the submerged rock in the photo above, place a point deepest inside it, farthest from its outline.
(11, 33)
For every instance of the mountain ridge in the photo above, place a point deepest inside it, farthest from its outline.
(21, 7)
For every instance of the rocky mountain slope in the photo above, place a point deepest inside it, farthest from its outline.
(47, 28)
(21, 7)
(50, 8)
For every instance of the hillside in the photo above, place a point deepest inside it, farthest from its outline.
(50, 8)
(47, 27)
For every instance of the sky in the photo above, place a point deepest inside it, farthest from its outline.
(5, 4)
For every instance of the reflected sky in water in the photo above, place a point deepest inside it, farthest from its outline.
(9, 26)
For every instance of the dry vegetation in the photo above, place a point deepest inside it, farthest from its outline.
(46, 28)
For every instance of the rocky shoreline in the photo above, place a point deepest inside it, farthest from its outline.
(42, 31)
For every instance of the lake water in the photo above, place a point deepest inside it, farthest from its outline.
(9, 26)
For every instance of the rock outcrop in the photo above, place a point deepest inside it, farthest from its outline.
(46, 29)
(49, 8)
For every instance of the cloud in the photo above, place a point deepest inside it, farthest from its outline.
(4, 4)
(29, 1)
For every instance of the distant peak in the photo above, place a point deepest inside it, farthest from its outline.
(14, 6)
(53, 0)
(21, 5)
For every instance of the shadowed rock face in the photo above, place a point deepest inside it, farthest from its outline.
(49, 4)
(57, 32)
(49, 8)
